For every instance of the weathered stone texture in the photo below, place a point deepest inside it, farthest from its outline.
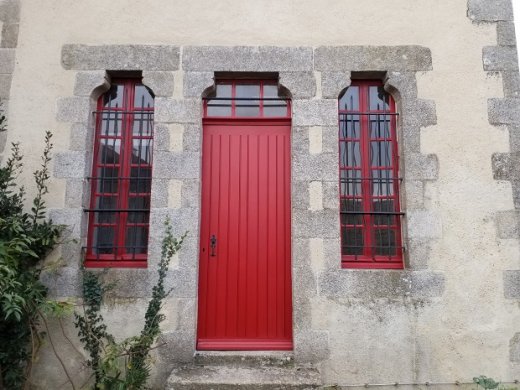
(511, 83)
(373, 58)
(195, 83)
(421, 167)
(302, 85)
(247, 59)
(87, 82)
(73, 109)
(161, 83)
(7, 60)
(171, 165)
(333, 83)
(365, 284)
(177, 111)
(70, 165)
(508, 224)
(10, 35)
(512, 284)
(499, 58)
(504, 111)
(120, 57)
(514, 348)
(506, 34)
(424, 224)
(505, 166)
(315, 112)
(490, 11)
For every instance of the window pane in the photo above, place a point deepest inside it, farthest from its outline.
(381, 153)
(351, 206)
(350, 99)
(139, 203)
(349, 126)
(111, 124)
(142, 151)
(349, 154)
(352, 241)
(247, 107)
(378, 98)
(220, 107)
(384, 240)
(103, 240)
(106, 203)
(114, 97)
(109, 151)
(143, 124)
(273, 108)
(382, 182)
(386, 206)
(136, 239)
(350, 182)
(140, 181)
(143, 98)
(380, 126)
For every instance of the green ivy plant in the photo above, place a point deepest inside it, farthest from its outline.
(26, 238)
(123, 365)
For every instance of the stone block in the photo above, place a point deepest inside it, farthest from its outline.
(315, 224)
(76, 191)
(331, 195)
(490, 11)
(161, 135)
(315, 140)
(423, 224)
(496, 58)
(322, 167)
(247, 58)
(421, 167)
(120, 57)
(195, 83)
(315, 112)
(370, 284)
(10, 35)
(10, 11)
(418, 252)
(333, 83)
(161, 83)
(191, 140)
(315, 196)
(7, 61)
(402, 85)
(171, 165)
(508, 224)
(506, 34)
(504, 111)
(505, 166)
(70, 165)
(71, 218)
(63, 282)
(372, 58)
(302, 85)
(73, 109)
(87, 82)
(190, 193)
(159, 196)
(311, 346)
(300, 195)
(330, 139)
(512, 284)
(414, 194)
(80, 139)
(514, 348)
(177, 111)
(5, 86)
(511, 84)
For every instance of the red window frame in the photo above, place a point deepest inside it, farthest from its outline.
(233, 101)
(120, 184)
(370, 214)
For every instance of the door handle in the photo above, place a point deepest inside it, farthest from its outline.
(213, 245)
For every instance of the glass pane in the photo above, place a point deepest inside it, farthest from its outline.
(247, 107)
(349, 126)
(381, 154)
(380, 126)
(143, 97)
(103, 240)
(273, 108)
(350, 99)
(142, 151)
(139, 203)
(140, 181)
(113, 98)
(384, 240)
(106, 203)
(379, 98)
(111, 124)
(382, 182)
(349, 154)
(220, 107)
(107, 173)
(109, 151)
(350, 182)
(351, 205)
(143, 124)
(351, 241)
(387, 206)
(136, 239)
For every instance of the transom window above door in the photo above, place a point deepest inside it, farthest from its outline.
(246, 99)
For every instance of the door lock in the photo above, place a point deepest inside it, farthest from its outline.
(213, 245)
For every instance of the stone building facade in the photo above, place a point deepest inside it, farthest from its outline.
(451, 66)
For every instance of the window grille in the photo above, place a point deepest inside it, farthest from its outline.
(370, 214)
(120, 183)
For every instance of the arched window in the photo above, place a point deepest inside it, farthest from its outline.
(121, 177)
(369, 178)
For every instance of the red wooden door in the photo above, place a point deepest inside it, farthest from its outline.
(245, 300)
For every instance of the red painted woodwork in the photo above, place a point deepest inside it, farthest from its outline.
(121, 177)
(369, 178)
(245, 300)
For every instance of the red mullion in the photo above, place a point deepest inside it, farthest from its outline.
(125, 158)
(364, 135)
